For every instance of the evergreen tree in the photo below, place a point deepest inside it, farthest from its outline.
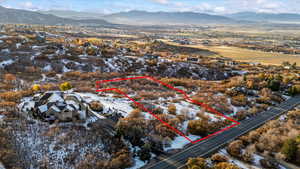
(289, 149)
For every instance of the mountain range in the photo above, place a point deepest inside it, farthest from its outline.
(143, 17)
(61, 17)
(73, 14)
(17, 16)
(269, 17)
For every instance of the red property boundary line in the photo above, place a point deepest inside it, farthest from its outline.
(207, 107)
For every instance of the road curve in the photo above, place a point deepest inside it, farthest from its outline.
(212, 144)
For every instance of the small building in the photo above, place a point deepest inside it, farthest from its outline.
(151, 57)
(40, 38)
(192, 59)
(230, 63)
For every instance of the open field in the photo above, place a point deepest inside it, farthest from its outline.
(247, 55)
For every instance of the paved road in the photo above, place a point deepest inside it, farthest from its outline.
(206, 147)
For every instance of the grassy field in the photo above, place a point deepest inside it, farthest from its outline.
(249, 55)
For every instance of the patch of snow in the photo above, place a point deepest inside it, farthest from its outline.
(240, 72)
(5, 50)
(138, 163)
(1, 166)
(256, 159)
(194, 109)
(59, 76)
(6, 62)
(47, 68)
(109, 103)
(179, 142)
(1, 41)
(65, 69)
(283, 117)
(286, 97)
(37, 47)
(18, 45)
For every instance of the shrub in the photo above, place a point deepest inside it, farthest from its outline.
(48, 87)
(96, 106)
(247, 157)
(225, 165)
(135, 113)
(198, 127)
(121, 160)
(241, 115)
(132, 129)
(239, 100)
(274, 85)
(9, 106)
(148, 95)
(158, 110)
(172, 109)
(145, 152)
(65, 86)
(250, 84)
(7, 154)
(267, 164)
(11, 96)
(219, 158)
(254, 110)
(91, 51)
(72, 75)
(294, 90)
(203, 127)
(262, 76)
(265, 92)
(164, 131)
(36, 87)
(196, 163)
(235, 148)
(9, 77)
(289, 149)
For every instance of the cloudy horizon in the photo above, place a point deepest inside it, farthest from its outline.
(113, 6)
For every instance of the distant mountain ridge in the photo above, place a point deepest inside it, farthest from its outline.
(135, 17)
(73, 14)
(143, 17)
(271, 17)
(17, 16)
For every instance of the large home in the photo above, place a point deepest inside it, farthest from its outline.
(60, 106)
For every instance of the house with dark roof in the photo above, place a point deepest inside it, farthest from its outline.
(60, 106)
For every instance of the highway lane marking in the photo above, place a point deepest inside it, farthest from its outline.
(173, 163)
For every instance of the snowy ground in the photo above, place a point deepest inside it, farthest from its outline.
(109, 103)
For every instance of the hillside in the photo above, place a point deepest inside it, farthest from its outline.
(73, 14)
(271, 17)
(17, 16)
(143, 17)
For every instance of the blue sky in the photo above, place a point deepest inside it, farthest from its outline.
(111, 6)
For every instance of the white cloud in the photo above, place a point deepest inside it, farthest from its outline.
(179, 4)
(161, 1)
(220, 9)
(28, 5)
